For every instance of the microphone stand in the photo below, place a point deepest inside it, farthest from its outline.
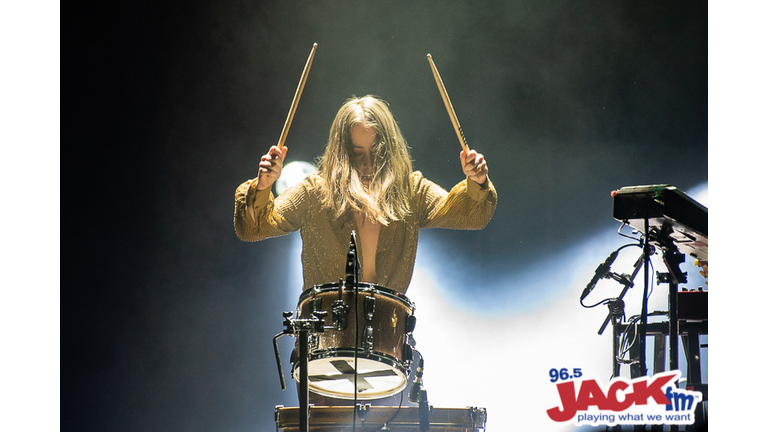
(423, 411)
(616, 309)
(353, 275)
(419, 394)
(641, 369)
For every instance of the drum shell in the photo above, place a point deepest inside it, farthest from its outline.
(387, 322)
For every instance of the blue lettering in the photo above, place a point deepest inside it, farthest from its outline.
(680, 401)
(669, 394)
(679, 418)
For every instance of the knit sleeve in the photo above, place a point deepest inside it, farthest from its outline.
(467, 206)
(259, 215)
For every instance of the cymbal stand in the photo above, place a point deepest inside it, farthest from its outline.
(301, 327)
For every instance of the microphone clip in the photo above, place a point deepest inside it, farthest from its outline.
(413, 395)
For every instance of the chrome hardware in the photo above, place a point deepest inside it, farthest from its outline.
(368, 339)
(370, 307)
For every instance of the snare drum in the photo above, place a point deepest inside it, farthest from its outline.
(384, 325)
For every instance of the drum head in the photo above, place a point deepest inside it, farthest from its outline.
(377, 377)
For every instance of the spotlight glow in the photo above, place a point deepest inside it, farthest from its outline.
(293, 173)
(499, 357)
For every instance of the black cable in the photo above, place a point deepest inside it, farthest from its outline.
(356, 282)
(653, 271)
(601, 302)
(625, 345)
(400, 405)
(402, 393)
(604, 301)
(357, 344)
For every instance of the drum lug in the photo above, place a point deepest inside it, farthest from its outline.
(370, 307)
(363, 411)
(410, 324)
(316, 304)
(340, 310)
(368, 340)
(407, 354)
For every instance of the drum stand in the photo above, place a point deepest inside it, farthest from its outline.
(302, 328)
(316, 324)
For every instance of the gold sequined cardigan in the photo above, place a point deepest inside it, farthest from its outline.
(325, 238)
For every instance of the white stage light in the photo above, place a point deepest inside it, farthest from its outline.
(293, 173)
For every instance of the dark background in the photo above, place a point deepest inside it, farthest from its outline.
(167, 318)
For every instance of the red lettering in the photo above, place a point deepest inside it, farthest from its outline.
(590, 394)
(614, 404)
(643, 390)
(568, 400)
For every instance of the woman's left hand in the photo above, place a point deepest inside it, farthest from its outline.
(474, 166)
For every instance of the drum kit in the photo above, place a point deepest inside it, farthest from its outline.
(366, 352)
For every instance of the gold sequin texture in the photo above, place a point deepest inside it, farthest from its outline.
(325, 238)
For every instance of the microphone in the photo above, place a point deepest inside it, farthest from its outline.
(353, 264)
(413, 395)
(600, 272)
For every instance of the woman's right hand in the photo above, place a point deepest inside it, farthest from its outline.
(270, 167)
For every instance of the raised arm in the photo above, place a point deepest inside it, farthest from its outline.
(258, 214)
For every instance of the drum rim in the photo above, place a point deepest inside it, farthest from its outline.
(350, 352)
(362, 286)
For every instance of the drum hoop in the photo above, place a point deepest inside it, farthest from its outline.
(380, 358)
(349, 352)
(362, 286)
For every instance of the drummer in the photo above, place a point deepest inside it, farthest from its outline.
(365, 182)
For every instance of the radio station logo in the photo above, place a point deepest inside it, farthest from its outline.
(644, 400)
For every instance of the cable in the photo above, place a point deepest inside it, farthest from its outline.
(354, 279)
(609, 261)
(624, 344)
(653, 271)
(634, 231)
(601, 302)
(400, 405)
(402, 394)
(357, 344)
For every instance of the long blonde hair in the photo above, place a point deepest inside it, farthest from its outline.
(386, 199)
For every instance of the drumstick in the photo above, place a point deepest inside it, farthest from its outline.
(296, 98)
(448, 105)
